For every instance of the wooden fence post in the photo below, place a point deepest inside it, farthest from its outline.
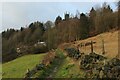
(103, 48)
(91, 47)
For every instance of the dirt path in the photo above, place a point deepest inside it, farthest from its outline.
(51, 70)
(54, 70)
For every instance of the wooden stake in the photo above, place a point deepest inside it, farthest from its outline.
(103, 48)
(91, 47)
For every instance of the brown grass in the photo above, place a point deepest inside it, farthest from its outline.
(49, 57)
(110, 44)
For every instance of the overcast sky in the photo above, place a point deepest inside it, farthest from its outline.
(20, 14)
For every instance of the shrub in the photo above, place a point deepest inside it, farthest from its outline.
(72, 52)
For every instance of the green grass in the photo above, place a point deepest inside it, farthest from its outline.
(69, 70)
(0, 70)
(66, 68)
(49, 71)
(61, 67)
(17, 68)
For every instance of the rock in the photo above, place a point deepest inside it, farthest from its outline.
(114, 62)
(72, 52)
(89, 61)
(101, 74)
(40, 66)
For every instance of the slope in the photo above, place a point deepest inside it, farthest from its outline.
(17, 68)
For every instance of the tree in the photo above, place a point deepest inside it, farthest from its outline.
(21, 29)
(28, 34)
(32, 27)
(119, 14)
(66, 16)
(48, 25)
(58, 19)
(105, 19)
(84, 26)
(37, 35)
(77, 14)
(50, 38)
(118, 4)
(92, 16)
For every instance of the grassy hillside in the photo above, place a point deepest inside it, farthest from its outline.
(17, 68)
(69, 69)
(110, 44)
(62, 67)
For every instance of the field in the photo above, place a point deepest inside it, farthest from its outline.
(110, 43)
(17, 68)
